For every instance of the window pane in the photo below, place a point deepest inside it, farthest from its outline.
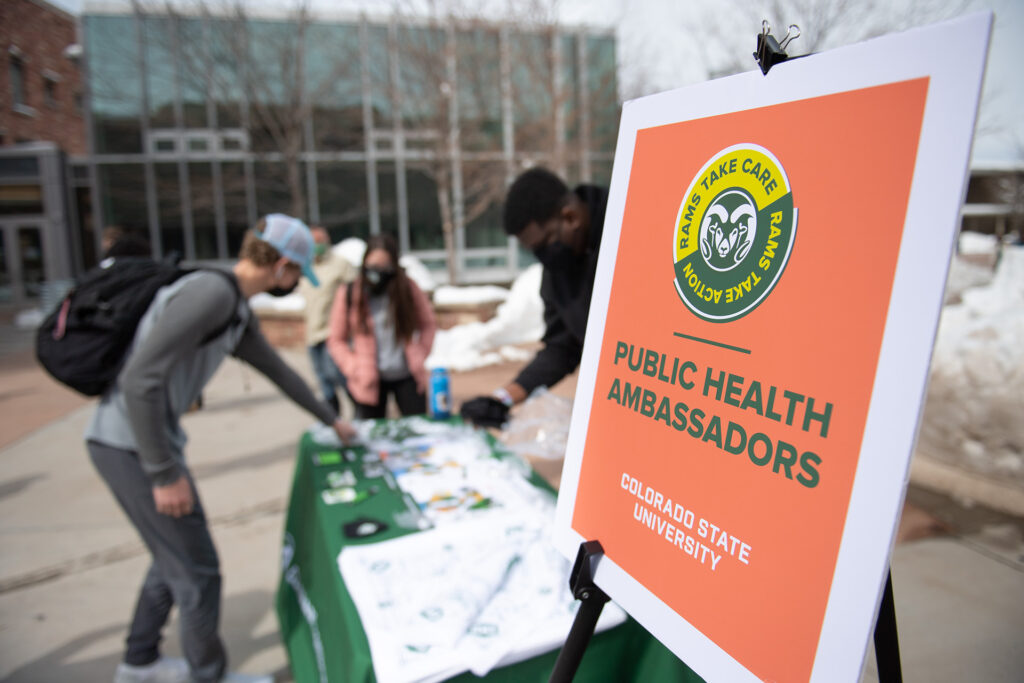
(271, 84)
(424, 78)
(424, 213)
(21, 199)
(344, 209)
(194, 64)
(478, 62)
(6, 293)
(116, 83)
(472, 262)
(30, 253)
(530, 57)
(123, 195)
(233, 178)
(168, 196)
(272, 190)
(204, 224)
(160, 71)
(387, 198)
(573, 172)
(83, 204)
(50, 92)
(227, 64)
(483, 187)
(525, 258)
(334, 81)
(602, 91)
(570, 95)
(601, 172)
(17, 73)
(19, 167)
(379, 66)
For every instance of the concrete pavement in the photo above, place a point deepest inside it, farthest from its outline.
(70, 563)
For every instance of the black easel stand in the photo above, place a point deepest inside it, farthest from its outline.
(592, 600)
(887, 642)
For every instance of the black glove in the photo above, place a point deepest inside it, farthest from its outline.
(484, 411)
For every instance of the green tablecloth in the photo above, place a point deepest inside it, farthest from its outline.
(320, 625)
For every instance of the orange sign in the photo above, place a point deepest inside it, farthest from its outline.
(721, 453)
(769, 285)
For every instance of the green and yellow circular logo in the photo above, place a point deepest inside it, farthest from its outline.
(734, 233)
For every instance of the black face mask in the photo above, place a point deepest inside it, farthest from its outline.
(556, 256)
(378, 279)
(281, 291)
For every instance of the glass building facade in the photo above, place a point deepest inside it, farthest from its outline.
(199, 124)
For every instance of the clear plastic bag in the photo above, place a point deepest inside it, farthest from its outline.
(538, 430)
(540, 426)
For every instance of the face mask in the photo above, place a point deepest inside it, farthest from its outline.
(319, 249)
(378, 279)
(282, 291)
(556, 256)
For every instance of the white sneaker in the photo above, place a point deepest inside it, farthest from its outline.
(163, 670)
(236, 677)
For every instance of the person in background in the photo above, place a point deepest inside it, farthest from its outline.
(381, 331)
(116, 241)
(563, 230)
(333, 271)
(137, 443)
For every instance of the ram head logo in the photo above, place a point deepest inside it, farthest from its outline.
(728, 229)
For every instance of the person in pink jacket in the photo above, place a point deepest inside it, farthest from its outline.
(381, 330)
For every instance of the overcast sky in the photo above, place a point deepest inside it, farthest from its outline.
(665, 44)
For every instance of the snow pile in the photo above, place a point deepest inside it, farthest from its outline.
(976, 243)
(351, 249)
(446, 295)
(417, 272)
(964, 275)
(293, 303)
(975, 402)
(519, 320)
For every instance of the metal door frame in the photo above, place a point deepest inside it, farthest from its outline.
(9, 230)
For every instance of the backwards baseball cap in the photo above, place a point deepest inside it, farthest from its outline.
(292, 238)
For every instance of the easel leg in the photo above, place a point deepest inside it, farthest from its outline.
(887, 645)
(592, 600)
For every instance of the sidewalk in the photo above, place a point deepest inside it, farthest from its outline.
(70, 563)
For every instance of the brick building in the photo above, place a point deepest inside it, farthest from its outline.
(40, 80)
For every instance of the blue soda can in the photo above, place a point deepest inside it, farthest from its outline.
(440, 394)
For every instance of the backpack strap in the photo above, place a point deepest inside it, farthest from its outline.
(234, 309)
(348, 311)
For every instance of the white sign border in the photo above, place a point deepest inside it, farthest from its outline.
(952, 55)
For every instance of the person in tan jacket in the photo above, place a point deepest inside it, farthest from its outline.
(381, 331)
(334, 272)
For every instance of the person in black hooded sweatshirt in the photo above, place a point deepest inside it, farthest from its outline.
(562, 227)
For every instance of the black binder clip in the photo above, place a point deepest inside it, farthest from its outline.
(771, 51)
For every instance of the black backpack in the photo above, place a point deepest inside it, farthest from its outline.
(83, 343)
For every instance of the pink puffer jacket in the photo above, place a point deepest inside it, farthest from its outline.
(355, 351)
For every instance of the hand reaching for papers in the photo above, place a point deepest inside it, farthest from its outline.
(344, 429)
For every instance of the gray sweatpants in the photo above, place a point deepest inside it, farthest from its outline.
(184, 570)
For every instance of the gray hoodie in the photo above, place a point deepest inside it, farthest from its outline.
(168, 365)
